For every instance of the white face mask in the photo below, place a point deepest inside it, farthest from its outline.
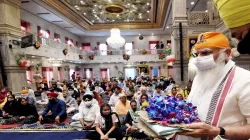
(205, 62)
(71, 92)
(88, 104)
(149, 88)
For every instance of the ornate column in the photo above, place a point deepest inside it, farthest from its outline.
(55, 72)
(179, 16)
(14, 77)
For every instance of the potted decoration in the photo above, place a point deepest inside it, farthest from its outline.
(109, 52)
(144, 51)
(91, 57)
(126, 57)
(161, 56)
(37, 45)
(65, 51)
(23, 63)
(80, 56)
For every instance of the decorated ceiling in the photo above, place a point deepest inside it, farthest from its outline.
(114, 11)
(108, 14)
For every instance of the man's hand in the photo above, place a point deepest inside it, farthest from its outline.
(128, 129)
(200, 130)
(88, 126)
(40, 118)
(5, 114)
(22, 117)
(57, 119)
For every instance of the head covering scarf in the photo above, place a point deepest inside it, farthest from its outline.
(212, 40)
(234, 13)
(133, 113)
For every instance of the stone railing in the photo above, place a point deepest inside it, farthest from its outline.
(121, 52)
(199, 18)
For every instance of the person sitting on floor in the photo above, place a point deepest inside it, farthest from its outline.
(114, 99)
(3, 99)
(27, 112)
(10, 111)
(98, 89)
(137, 96)
(122, 107)
(158, 91)
(130, 91)
(106, 95)
(28, 96)
(44, 98)
(131, 118)
(106, 125)
(74, 93)
(144, 102)
(57, 108)
(150, 90)
(85, 119)
(70, 102)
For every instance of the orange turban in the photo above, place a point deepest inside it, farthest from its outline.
(24, 91)
(212, 40)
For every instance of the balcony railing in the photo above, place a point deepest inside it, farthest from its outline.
(53, 44)
(121, 52)
(200, 18)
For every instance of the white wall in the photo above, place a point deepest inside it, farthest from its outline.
(139, 44)
(45, 25)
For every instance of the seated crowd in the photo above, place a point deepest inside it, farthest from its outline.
(108, 107)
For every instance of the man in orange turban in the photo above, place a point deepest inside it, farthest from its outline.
(220, 90)
(236, 15)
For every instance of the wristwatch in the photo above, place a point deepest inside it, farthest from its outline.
(222, 132)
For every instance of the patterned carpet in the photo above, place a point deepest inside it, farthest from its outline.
(64, 126)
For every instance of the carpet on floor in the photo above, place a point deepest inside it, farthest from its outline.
(74, 135)
(38, 127)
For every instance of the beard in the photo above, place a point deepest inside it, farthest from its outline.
(210, 77)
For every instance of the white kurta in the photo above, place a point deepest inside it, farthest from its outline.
(236, 108)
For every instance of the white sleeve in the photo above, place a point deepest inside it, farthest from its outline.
(111, 102)
(80, 116)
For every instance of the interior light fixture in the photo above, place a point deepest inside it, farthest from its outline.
(206, 11)
(192, 3)
(167, 26)
(115, 41)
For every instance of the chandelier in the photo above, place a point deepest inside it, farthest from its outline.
(115, 40)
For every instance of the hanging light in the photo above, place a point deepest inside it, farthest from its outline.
(115, 40)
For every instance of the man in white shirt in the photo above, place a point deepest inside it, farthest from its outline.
(88, 111)
(221, 92)
(114, 99)
(158, 91)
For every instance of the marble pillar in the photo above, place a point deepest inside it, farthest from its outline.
(179, 16)
(14, 76)
(55, 72)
